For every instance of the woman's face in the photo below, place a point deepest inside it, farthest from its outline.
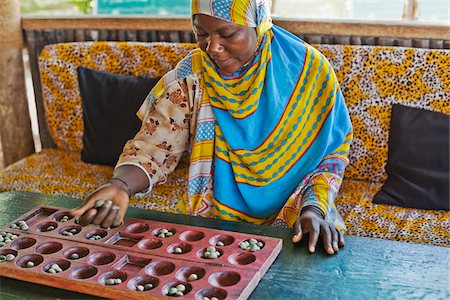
(229, 45)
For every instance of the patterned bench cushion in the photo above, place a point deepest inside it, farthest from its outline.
(372, 79)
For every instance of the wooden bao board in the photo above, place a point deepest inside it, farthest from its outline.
(134, 253)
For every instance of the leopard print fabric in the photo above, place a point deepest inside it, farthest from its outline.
(372, 79)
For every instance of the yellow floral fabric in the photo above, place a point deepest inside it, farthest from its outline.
(371, 79)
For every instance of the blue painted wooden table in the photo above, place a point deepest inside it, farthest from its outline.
(363, 269)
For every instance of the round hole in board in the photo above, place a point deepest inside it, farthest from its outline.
(96, 232)
(224, 278)
(46, 226)
(143, 280)
(137, 228)
(160, 268)
(84, 272)
(101, 258)
(184, 273)
(23, 243)
(79, 251)
(191, 236)
(225, 239)
(60, 215)
(241, 258)
(24, 261)
(150, 244)
(71, 228)
(170, 285)
(201, 253)
(185, 248)
(113, 274)
(62, 263)
(210, 293)
(48, 248)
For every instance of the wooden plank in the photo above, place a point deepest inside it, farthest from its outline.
(15, 124)
(35, 42)
(399, 29)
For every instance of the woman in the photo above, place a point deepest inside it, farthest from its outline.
(265, 122)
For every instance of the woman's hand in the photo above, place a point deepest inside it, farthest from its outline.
(313, 223)
(105, 207)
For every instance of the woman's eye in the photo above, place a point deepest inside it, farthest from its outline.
(228, 35)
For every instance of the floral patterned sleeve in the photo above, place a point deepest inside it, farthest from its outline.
(164, 135)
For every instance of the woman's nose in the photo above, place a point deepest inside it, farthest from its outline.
(214, 46)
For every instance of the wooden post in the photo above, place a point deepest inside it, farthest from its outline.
(16, 137)
(411, 9)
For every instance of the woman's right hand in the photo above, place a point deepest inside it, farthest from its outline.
(105, 207)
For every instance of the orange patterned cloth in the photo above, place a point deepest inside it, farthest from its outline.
(372, 79)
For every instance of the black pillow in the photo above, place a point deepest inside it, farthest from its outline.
(418, 160)
(110, 102)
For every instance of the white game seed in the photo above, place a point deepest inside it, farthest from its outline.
(192, 277)
(177, 250)
(2, 244)
(13, 237)
(2, 238)
(161, 235)
(30, 264)
(252, 241)
(214, 298)
(172, 291)
(2, 258)
(179, 294)
(259, 244)
(109, 281)
(117, 280)
(7, 240)
(74, 256)
(164, 231)
(148, 286)
(49, 228)
(51, 271)
(180, 288)
(211, 249)
(10, 257)
(219, 243)
(99, 203)
(254, 248)
(169, 234)
(140, 288)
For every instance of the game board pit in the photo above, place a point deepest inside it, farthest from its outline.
(101, 258)
(122, 240)
(160, 268)
(58, 217)
(184, 273)
(46, 226)
(241, 258)
(5, 252)
(113, 274)
(131, 263)
(23, 243)
(150, 244)
(49, 248)
(201, 253)
(225, 239)
(157, 232)
(223, 279)
(143, 280)
(210, 293)
(96, 232)
(62, 263)
(191, 236)
(185, 248)
(137, 228)
(84, 272)
(36, 259)
(174, 284)
(74, 229)
(81, 251)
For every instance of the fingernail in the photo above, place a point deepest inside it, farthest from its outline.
(312, 249)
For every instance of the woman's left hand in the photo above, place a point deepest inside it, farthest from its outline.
(312, 222)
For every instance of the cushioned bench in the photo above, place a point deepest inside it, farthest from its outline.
(372, 79)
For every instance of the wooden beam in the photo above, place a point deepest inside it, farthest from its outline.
(398, 29)
(15, 125)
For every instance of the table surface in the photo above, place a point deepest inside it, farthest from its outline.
(364, 268)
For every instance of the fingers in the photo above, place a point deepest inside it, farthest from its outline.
(313, 237)
(82, 209)
(110, 217)
(102, 213)
(341, 238)
(335, 238)
(298, 232)
(327, 236)
(87, 217)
